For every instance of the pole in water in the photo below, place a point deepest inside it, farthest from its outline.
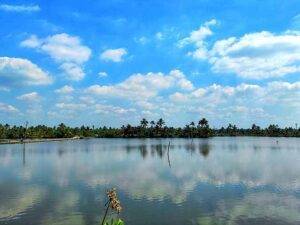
(169, 154)
(24, 154)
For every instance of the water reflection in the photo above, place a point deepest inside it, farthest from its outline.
(24, 154)
(199, 181)
(161, 150)
(204, 149)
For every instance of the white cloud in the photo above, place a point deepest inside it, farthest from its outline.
(73, 71)
(20, 8)
(162, 95)
(257, 55)
(197, 38)
(145, 105)
(178, 97)
(61, 47)
(245, 102)
(142, 87)
(89, 106)
(70, 106)
(114, 55)
(64, 49)
(31, 42)
(30, 97)
(182, 82)
(7, 108)
(102, 74)
(107, 109)
(20, 72)
(65, 90)
(87, 100)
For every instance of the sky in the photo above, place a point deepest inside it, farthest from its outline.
(114, 62)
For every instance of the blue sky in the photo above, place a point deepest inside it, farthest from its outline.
(115, 62)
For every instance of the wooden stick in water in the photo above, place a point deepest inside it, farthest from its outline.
(169, 154)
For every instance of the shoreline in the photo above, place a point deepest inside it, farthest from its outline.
(18, 141)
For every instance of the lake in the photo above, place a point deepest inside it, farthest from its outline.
(221, 180)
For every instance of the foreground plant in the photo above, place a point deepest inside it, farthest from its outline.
(115, 222)
(114, 204)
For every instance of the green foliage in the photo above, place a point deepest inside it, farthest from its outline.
(146, 129)
(114, 222)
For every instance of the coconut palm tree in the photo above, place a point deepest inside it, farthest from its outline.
(144, 123)
(203, 122)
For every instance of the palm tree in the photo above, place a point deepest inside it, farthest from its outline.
(203, 122)
(158, 128)
(144, 123)
(203, 128)
(160, 123)
(152, 123)
(143, 127)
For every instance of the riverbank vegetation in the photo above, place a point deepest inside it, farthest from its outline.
(146, 129)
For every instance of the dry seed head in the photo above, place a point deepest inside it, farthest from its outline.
(114, 202)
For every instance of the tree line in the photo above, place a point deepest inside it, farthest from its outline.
(146, 129)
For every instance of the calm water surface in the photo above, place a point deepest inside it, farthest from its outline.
(215, 181)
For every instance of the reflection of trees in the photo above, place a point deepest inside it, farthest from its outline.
(24, 155)
(143, 151)
(61, 151)
(190, 147)
(256, 147)
(159, 150)
(204, 149)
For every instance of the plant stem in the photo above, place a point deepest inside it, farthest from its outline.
(106, 211)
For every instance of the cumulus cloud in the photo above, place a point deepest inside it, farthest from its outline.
(19, 8)
(114, 55)
(21, 72)
(245, 100)
(65, 90)
(143, 86)
(73, 71)
(257, 55)
(65, 49)
(157, 95)
(5, 108)
(30, 97)
(172, 96)
(89, 106)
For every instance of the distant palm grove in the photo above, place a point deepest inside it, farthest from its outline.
(146, 129)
